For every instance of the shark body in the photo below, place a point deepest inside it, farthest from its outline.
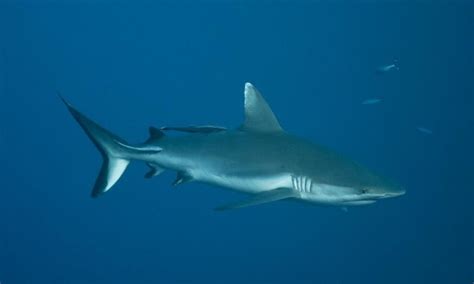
(258, 158)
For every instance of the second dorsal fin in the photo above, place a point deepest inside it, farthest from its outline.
(155, 134)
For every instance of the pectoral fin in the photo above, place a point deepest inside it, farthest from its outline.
(260, 198)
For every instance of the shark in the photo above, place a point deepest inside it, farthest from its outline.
(258, 158)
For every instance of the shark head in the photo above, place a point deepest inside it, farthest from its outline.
(371, 193)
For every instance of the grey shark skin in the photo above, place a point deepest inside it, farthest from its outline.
(258, 158)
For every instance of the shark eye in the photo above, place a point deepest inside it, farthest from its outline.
(364, 191)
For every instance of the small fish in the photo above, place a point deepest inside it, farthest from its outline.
(371, 101)
(388, 68)
(424, 130)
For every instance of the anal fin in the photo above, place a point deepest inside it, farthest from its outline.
(154, 170)
(261, 198)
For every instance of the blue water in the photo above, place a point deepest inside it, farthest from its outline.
(132, 64)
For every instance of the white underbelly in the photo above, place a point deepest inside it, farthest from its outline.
(328, 194)
(250, 184)
(308, 190)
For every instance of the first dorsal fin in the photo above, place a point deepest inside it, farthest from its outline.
(155, 134)
(258, 114)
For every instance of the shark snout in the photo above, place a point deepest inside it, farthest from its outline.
(393, 193)
(382, 193)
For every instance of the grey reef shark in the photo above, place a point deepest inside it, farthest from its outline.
(258, 158)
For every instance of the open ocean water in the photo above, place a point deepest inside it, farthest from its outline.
(132, 64)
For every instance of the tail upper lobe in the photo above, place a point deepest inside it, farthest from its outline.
(115, 151)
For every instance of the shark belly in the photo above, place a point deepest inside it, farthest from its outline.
(306, 189)
(327, 194)
(316, 192)
(246, 172)
(248, 183)
(230, 159)
(254, 164)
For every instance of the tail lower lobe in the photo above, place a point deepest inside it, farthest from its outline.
(116, 152)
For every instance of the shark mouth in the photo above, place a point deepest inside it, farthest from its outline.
(368, 197)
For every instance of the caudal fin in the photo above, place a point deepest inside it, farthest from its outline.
(116, 153)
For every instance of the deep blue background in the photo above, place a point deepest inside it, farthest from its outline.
(131, 65)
